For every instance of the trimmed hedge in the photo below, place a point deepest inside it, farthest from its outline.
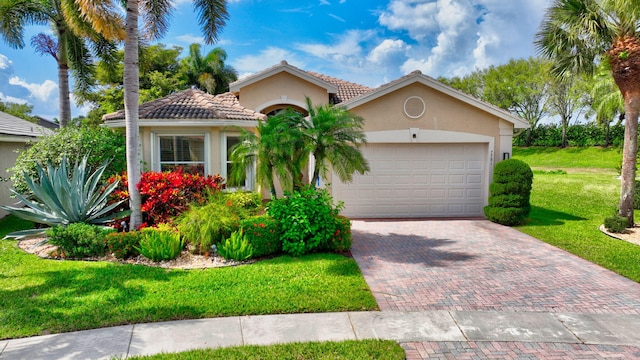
(510, 192)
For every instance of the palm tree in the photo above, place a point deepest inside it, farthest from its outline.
(576, 35)
(209, 73)
(268, 150)
(606, 101)
(69, 49)
(212, 16)
(334, 136)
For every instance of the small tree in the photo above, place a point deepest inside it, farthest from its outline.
(509, 193)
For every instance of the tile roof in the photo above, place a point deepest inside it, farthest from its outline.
(346, 89)
(193, 104)
(14, 126)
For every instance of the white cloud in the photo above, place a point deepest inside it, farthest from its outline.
(347, 48)
(5, 63)
(388, 51)
(337, 17)
(42, 92)
(190, 38)
(324, 2)
(270, 56)
(455, 37)
(11, 99)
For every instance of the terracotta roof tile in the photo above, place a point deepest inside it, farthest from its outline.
(193, 104)
(346, 89)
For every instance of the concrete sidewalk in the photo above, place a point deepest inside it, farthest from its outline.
(404, 327)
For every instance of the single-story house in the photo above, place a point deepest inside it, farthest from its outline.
(431, 148)
(15, 136)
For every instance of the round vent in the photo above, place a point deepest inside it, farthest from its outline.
(414, 107)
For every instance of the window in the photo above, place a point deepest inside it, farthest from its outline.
(247, 183)
(186, 151)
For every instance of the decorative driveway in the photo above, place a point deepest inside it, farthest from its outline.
(481, 266)
(476, 265)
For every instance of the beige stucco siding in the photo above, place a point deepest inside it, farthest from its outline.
(281, 88)
(443, 113)
(8, 160)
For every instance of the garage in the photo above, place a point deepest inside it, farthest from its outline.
(417, 180)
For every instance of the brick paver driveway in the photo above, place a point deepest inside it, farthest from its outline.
(481, 266)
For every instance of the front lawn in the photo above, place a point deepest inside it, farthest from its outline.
(49, 296)
(363, 349)
(567, 209)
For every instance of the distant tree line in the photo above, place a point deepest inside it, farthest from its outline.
(589, 134)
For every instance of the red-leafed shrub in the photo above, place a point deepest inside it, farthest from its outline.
(167, 194)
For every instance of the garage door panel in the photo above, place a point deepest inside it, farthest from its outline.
(417, 180)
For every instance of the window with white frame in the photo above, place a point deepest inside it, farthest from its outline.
(247, 183)
(185, 151)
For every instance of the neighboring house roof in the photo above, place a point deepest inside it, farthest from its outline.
(46, 123)
(190, 107)
(12, 128)
(338, 90)
(418, 77)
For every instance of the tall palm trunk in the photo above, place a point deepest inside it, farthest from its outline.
(131, 90)
(629, 154)
(624, 56)
(63, 79)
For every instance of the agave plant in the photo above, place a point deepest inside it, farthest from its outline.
(61, 198)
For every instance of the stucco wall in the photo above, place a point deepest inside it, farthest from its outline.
(281, 88)
(7, 159)
(442, 112)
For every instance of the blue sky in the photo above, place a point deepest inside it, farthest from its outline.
(369, 42)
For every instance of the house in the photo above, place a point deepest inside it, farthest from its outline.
(15, 136)
(431, 148)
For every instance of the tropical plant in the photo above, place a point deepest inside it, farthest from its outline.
(578, 34)
(158, 244)
(79, 240)
(307, 220)
(208, 224)
(70, 50)
(212, 15)
(334, 136)
(263, 233)
(236, 247)
(271, 148)
(209, 73)
(62, 196)
(168, 194)
(101, 144)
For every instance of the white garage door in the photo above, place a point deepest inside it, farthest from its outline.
(417, 180)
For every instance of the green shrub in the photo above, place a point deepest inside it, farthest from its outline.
(509, 193)
(102, 144)
(616, 223)
(79, 240)
(244, 203)
(306, 218)
(236, 247)
(160, 243)
(64, 195)
(341, 239)
(123, 244)
(205, 225)
(263, 233)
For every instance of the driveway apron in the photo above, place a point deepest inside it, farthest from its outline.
(476, 265)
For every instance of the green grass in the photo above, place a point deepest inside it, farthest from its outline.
(603, 159)
(363, 349)
(11, 223)
(567, 210)
(50, 296)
